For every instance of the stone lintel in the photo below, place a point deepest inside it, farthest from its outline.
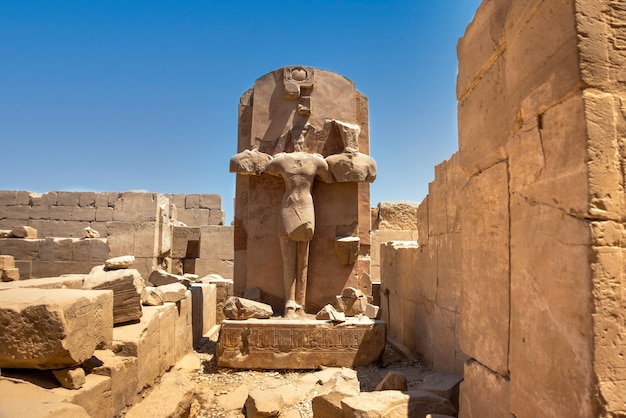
(299, 343)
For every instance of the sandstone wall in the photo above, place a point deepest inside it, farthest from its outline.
(421, 279)
(533, 236)
(137, 223)
(540, 136)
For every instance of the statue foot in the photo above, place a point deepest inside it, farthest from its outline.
(292, 309)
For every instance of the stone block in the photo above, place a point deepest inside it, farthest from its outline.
(551, 310)
(483, 393)
(549, 165)
(443, 340)
(184, 331)
(482, 43)
(7, 262)
(299, 343)
(449, 271)
(146, 239)
(392, 403)
(99, 249)
(397, 216)
(68, 198)
(20, 249)
(8, 198)
(49, 199)
(216, 242)
(444, 385)
(121, 238)
(422, 223)
(136, 207)
(104, 214)
(485, 300)
(223, 290)
(95, 396)
(541, 41)
(24, 232)
(126, 284)
(39, 409)
(141, 340)
(70, 378)
(168, 314)
(210, 201)
(123, 373)
(427, 264)
(65, 282)
(10, 274)
(604, 153)
(185, 242)
(63, 326)
(87, 199)
(172, 398)
(23, 198)
(26, 268)
(203, 300)
(482, 141)
(216, 217)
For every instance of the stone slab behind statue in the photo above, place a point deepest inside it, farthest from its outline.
(342, 209)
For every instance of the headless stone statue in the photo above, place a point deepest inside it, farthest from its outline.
(283, 109)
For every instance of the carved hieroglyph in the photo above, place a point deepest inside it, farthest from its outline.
(301, 125)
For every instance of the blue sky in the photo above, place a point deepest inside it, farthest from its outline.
(129, 95)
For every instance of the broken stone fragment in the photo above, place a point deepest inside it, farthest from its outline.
(172, 292)
(171, 398)
(393, 381)
(127, 286)
(89, 232)
(5, 233)
(61, 327)
(240, 308)
(121, 262)
(444, 385)
(263, 403)
(7, 262)
(151, 296)
(24, 232)
(70, 378)
(352, 302)
(162, 277)
(347, 249)
(329, 313)
(10, 274)
(392, 403)
(334, 385)
(371, 311)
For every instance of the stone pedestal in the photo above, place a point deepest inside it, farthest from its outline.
(299, 343)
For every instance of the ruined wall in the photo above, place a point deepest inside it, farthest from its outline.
(421, 280)
(541, 149)
(537, 240)
(133, 223)
(391, 221)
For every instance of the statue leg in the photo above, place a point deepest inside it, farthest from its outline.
(289, 253)
(302, 268)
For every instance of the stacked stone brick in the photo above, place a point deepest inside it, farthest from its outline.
(137, 223)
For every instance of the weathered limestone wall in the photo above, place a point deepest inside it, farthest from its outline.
(137, 223)
(421, 279)
(540, 87)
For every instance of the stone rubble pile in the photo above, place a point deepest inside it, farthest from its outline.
(86, 346)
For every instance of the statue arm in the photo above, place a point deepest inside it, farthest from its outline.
(323, 173)
(249, 162)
